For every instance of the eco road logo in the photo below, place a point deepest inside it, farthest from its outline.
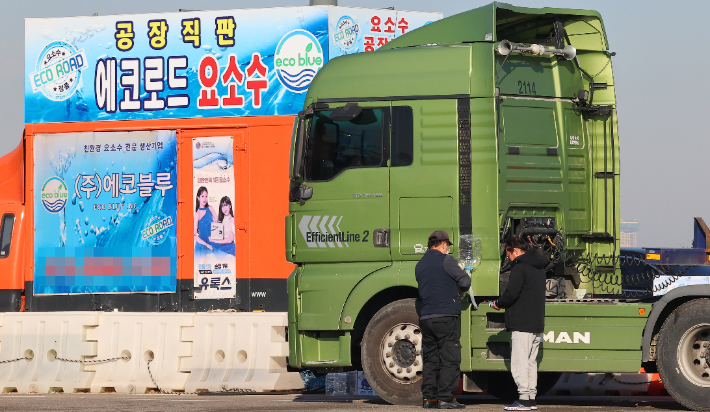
(346, 32)
(58, 70)
(157, 228)
(54, 195)
(298, 57)
(324, 231)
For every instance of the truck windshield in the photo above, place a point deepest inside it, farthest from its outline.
(334, 146)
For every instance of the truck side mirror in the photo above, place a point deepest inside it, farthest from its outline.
(305, 192)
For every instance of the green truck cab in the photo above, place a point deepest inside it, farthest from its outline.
(493, 122)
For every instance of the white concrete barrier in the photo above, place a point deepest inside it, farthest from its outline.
(188, 352)
(239, 351)
(140, 337)
(43, 337)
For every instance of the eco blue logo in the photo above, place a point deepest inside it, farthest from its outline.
(346, 32)
(58, 70)
(54, 195)
(298, 57)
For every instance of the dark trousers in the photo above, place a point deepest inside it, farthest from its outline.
(441, 349)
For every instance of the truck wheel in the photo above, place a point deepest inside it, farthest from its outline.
(391, 353)
(683, 357)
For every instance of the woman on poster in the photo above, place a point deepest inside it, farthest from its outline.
(204, 216)
(226, 217)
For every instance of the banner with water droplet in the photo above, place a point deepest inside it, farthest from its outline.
(247, 62)
(105, 208)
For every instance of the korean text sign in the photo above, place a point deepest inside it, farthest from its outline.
(192, 64)
(105, 212)
(214, 229)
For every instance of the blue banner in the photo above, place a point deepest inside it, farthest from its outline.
(105, 209)
(248, 62)
(355, 30)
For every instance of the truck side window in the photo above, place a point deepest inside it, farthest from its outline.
(8, 221)
(402, 136)
(334, 146)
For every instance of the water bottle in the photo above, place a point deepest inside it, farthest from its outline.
(469, 252)
(352, 383)
(336, 384)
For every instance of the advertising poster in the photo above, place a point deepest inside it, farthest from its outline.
(105, 212)
(248, 62)
(172, 65)
(355, 30)
(213, 189)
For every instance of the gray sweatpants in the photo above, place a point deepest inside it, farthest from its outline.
(523, 363)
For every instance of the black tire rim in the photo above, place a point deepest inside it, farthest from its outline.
(693, 352)
(401, 353)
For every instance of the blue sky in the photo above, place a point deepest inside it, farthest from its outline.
(661, 78)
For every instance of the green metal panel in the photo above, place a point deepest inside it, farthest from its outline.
(534, 77)
(483, 68)
(568, 361)
(432, 174)
(365, 289)
(290, 244)
(406, 274)
(577, 337)
(587, 34)
(532, 175)
(529, 126)
(535, 176)
(484, 196)
(419, 217)
(383, 74)
(293, 311)
(323, 289)
(325, 349)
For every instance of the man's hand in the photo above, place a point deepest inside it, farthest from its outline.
(494, 306)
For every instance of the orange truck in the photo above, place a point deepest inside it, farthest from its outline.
(152, 174)
(260, 151)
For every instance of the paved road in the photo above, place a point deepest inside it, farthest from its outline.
(297, 402)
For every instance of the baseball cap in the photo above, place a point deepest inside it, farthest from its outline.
(440, 235)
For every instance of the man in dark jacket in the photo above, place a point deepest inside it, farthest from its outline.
(440, 280)
(524, 303)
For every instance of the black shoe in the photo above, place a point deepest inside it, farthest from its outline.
(451, 405)
(533, 405)
(430, 404)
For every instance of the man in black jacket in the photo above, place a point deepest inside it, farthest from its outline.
(524, 303)
(440, 280)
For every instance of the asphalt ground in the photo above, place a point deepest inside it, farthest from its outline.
(298, 402)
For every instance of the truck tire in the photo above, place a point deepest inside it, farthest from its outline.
(391, 353)
(683, 354)
(502, 386)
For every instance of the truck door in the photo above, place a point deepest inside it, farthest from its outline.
(345, 164)
(11, 257)
(424, 174)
